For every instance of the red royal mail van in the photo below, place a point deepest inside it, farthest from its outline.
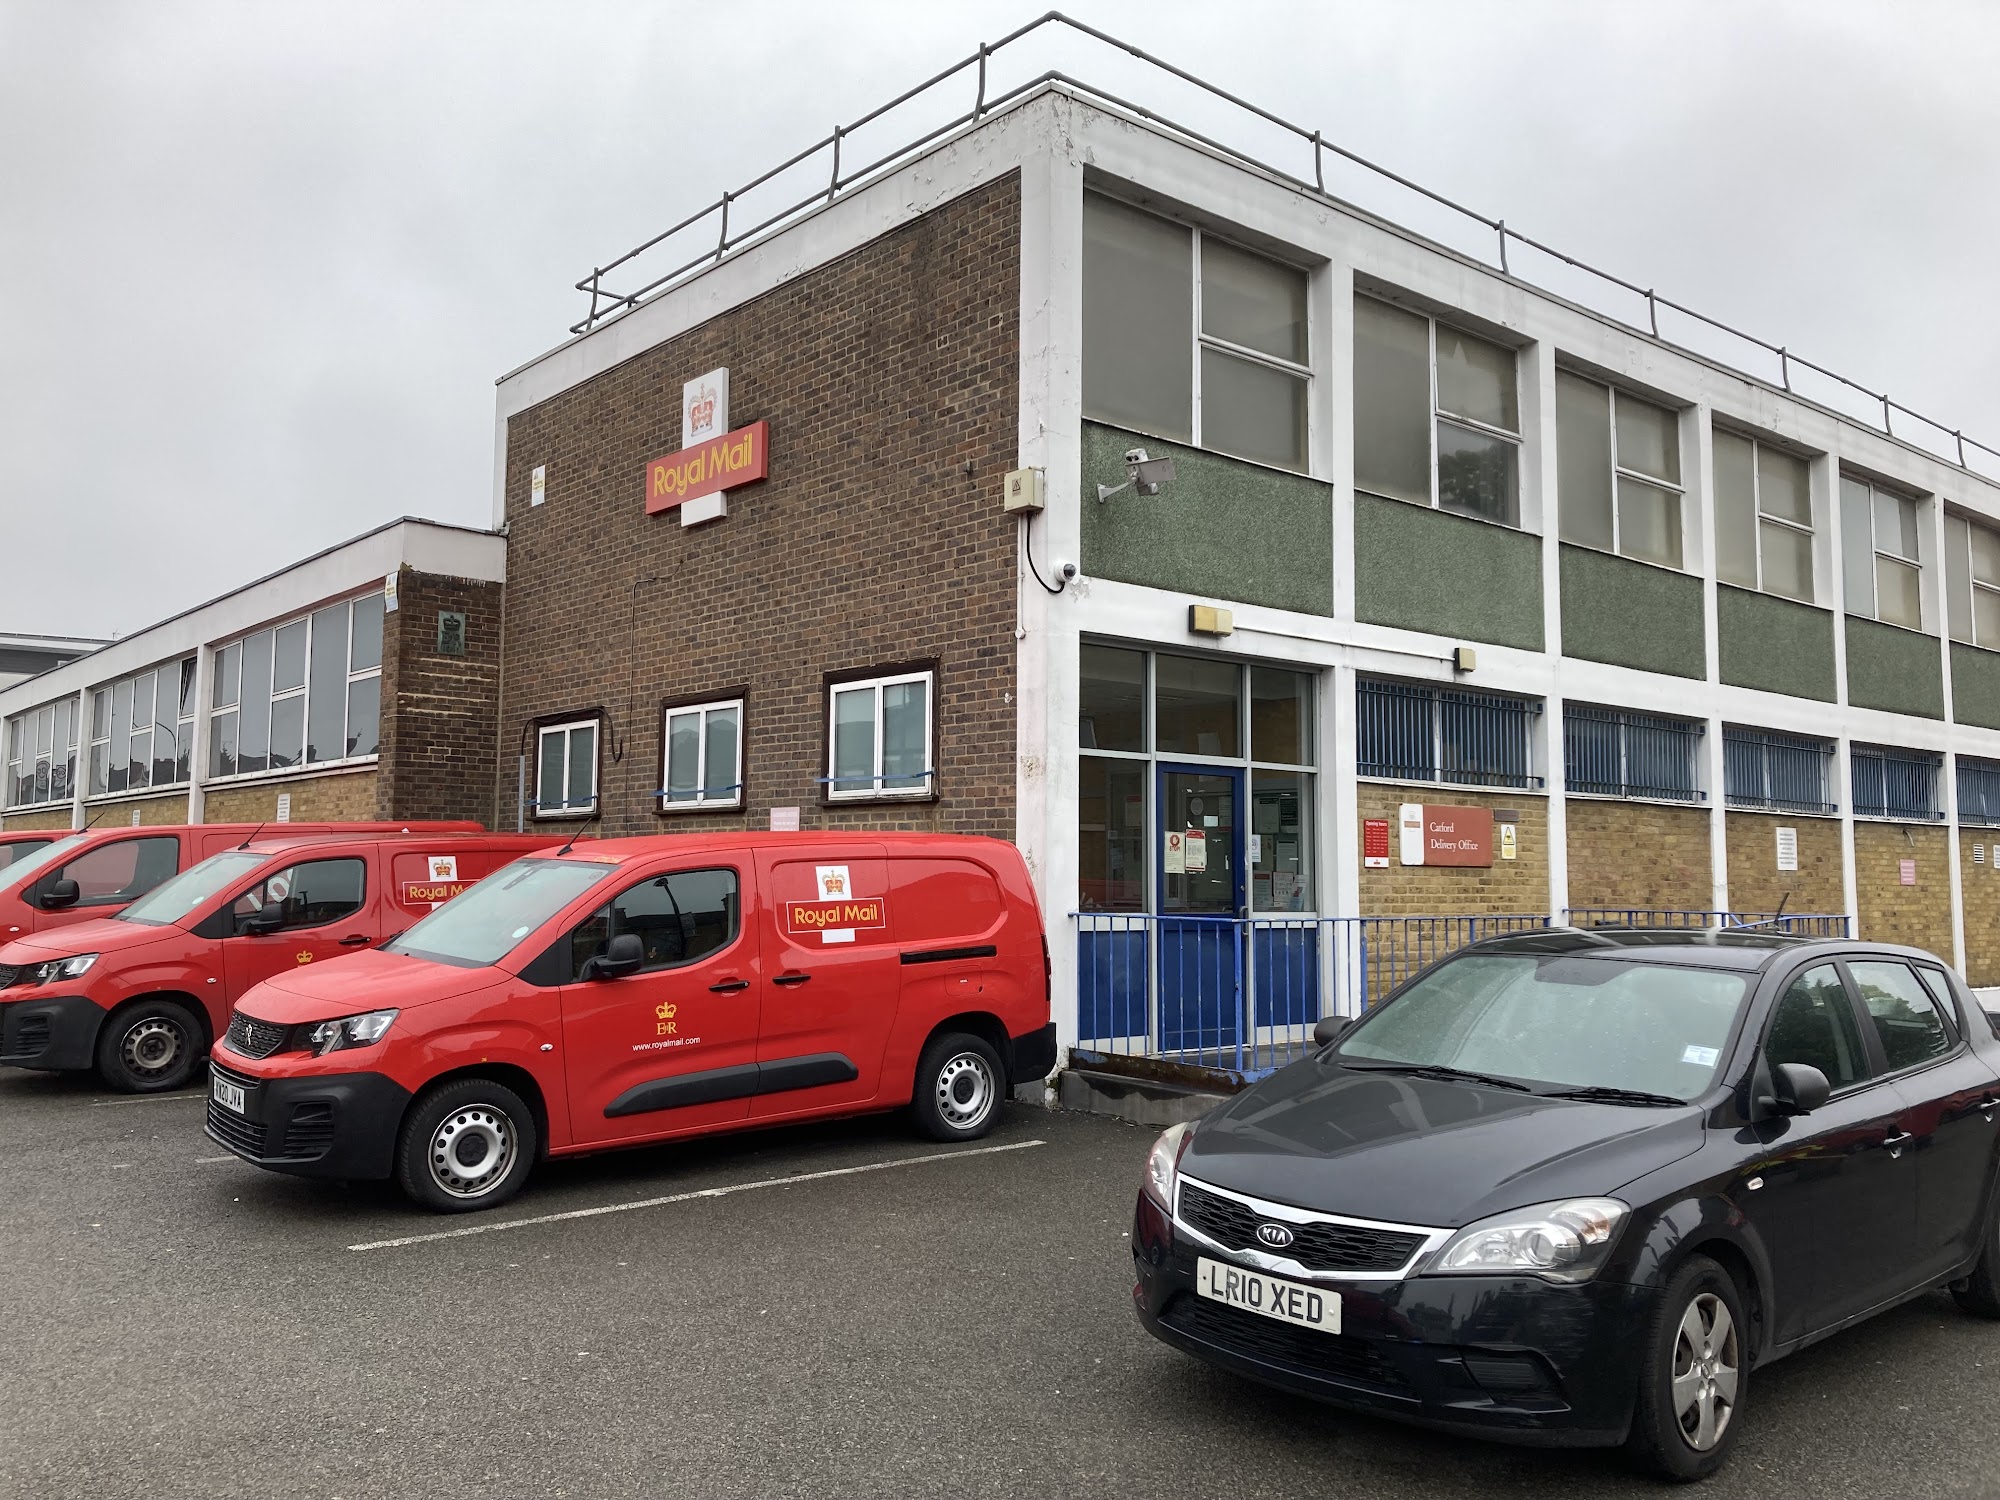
(83, 876)
(640, 989)
(20, 843)
(140, 995)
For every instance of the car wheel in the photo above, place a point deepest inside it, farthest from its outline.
(1979, 1293)
(1695, 1375)
(149, 1048)
(959, 1086)
(466, 1145)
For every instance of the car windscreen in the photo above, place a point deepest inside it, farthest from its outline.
(19, 850)
(25, 869)
(173, 900)
(489, 921)
(1560, 1022)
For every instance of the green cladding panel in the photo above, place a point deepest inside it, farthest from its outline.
(1631, 614)
(1424, 569)
(1775, 645)
(1223, 529)
(1975, 686)
(1895, 669)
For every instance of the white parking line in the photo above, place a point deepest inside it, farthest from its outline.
(148, 1099)
(209, 1161)
(715, 1192)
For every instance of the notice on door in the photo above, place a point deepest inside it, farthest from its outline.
(1197, 851)
(1176, 853)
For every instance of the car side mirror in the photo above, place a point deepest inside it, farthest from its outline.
(265, 919)
(625, 954)
(1798, 1088)
(59, 894)
(1331, 1029)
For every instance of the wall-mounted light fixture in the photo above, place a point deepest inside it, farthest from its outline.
(1147, 475)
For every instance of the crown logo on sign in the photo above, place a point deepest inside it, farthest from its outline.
(666, 1012)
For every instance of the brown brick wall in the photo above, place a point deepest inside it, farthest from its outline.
(346, 797)
(58, 817)
(1517, 885)
(1638, 854)
(1891, 912)
(153, 811)
(440, 714)
(1980, 884)
(1755, 882)
(890, 382)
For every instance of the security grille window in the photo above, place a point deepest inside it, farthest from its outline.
(1618, 471)
(1881, 552)
(702, 750)
(1972, 581)
(1138, 708)
(1188, 337)
(1610, 753)
(566, 769)
(308, 692)
(142, 730)
(1763, 517)
(41, 755)
(1978, 791)
(1900, 784)
(1436, 415)
(1414, 732)
(879, 738)
(1781, 772)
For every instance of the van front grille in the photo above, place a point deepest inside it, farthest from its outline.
(235, 1132)
(255, 1038)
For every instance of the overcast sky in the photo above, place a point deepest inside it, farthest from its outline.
(261, 262)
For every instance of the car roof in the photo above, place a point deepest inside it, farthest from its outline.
(1744, 948)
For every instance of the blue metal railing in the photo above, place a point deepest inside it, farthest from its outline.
(1895, 784)
(1783, 772)
(1616, 754)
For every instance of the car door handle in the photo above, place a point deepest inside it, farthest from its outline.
(1987, 1106)
(729, 986)
(789, 979)
(355, 941)
(1897, 1140)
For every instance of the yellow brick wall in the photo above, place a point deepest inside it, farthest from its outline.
(172, 807)
(1755, 882)
(47, 818)
(1891, 912)
(1638, 854)
(1517, 885)
(348, 798)
(1981, 886)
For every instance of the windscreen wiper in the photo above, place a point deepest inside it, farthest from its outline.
(1439, 1071)
(1600, 1095)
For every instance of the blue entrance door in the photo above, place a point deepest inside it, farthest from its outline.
(1201, 895)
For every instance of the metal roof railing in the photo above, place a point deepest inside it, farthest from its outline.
(841, 176)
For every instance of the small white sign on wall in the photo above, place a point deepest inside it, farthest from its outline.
(538, 484)
(1788, 849)
(284, 807)
(1410, 819)
(705, 407)
(784, 820)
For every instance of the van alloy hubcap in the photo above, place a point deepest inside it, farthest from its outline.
(151, 1047)
(471, 1150)
(1705, 1372)
(964, 1090)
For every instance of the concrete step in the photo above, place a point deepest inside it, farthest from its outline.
(1144, 1101)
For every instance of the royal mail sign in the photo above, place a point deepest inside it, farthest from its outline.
(1434, 835)
(721, 463)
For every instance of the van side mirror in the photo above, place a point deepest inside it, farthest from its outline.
(265, 919)
(1798, 1088)
(625, 954)
(1331, 1029)
(59, 894)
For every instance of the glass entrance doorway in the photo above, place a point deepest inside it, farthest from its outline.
(1201, 896)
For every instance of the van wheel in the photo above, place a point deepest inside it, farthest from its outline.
(1694, 1375)
(149, 1048)
(466, 1145)
(958, 1088)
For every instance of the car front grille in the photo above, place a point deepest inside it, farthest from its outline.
(235, 1132)
(1337, 1356)
(1318, 1245)
(32, 1036)
(255, 1038)
(310, 1132)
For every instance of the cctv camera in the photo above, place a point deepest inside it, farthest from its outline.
(1068, 571)
(1148, 474)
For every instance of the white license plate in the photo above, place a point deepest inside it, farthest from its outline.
(1272, 1296)
(228, 1095)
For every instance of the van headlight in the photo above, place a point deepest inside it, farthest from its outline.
(1163, 1165)
(350, 1031)
(1564, 1241)
(65, 968)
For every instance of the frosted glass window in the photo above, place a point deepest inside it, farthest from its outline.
(1583, 461)
(1251, 301)
(1648, 439)
(1763, 517)
(1609, 444)
(1392, 402)
(1649, 523)
(1252, 410)
(1735, 509)
(1476, 379)
(1138, 320)
(1476, 473)
(1882, 554)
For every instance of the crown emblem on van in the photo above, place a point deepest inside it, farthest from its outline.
(666, 1012)
(835, 886)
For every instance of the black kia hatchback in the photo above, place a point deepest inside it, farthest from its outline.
(1574, 1187)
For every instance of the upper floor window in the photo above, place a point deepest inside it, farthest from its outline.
(1979, 791)
(702, 749)
(1191, 338)
(566, 769)
(305, 693)
(1882, 555)
(879, 737)
(41, 754)
(142, 730)
(1785, 772)
(1972, 581)
(1611, 753)
(1895, 783)
(1437, 417)
(1411, 731)
(1618, 471)
(1763, 517)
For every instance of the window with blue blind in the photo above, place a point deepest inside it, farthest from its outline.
(1782, 772)
(1896, 784)
(1408, 731)
(1610, 753)
(1978, 791)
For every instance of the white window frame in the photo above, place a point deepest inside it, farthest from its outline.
(542, 732)
(732, 791)
(1759, 515)
(1638, 476)
(303, 691)
(1876, 556)
(100, 732)
(1975, 584)
(25, 749)
(876, 792)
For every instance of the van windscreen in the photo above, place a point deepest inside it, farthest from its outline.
(41, 859)
(490, 921)
(166, 904)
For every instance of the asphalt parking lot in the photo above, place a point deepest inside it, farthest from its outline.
(957, 1323)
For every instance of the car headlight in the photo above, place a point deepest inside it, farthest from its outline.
(1563, 1241)
(1163, 1165)
(65, 968)
(350, 1031)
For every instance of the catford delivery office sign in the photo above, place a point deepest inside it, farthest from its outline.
(1433, 835)
(712, 458)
